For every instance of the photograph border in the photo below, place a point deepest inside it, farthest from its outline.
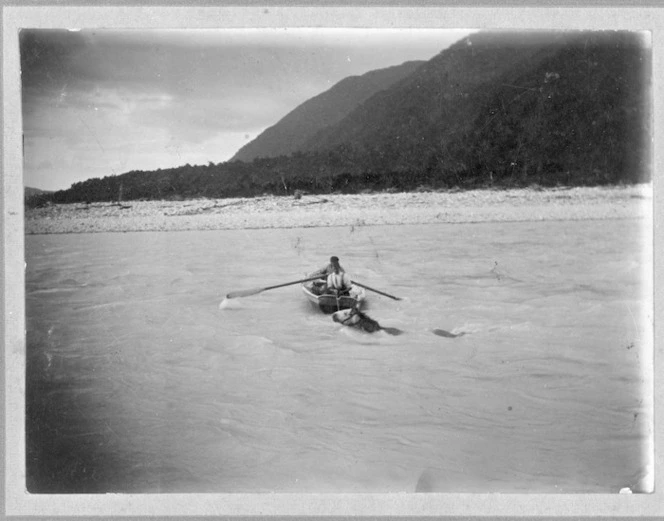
(17, 502)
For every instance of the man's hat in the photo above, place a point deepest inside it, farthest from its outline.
(334, 260)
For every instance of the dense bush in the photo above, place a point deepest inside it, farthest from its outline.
(502, 112)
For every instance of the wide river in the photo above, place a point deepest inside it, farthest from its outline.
(142, 377)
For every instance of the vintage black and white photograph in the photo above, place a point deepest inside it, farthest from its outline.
(337, 260)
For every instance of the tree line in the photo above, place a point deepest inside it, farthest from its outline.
(581, 117)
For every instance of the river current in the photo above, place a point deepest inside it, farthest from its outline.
(142, 377)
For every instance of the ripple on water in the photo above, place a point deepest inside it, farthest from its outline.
(184, 388)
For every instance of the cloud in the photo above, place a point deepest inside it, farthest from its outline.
(110, 101)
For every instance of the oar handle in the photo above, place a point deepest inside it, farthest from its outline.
(375, 290)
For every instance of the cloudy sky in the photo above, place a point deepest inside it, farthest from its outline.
(104, 102)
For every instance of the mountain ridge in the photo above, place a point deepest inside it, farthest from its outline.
(494, 110)
(323, 110)
(31, 191)
(413, 124)
(493, 53)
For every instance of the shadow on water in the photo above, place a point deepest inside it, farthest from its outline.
(71, 447)
(50, 410)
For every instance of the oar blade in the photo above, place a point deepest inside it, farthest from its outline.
(392, 330)
(447, 334)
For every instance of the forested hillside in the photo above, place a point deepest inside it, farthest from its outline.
(495, 109)
(503, 108)
(322, 111)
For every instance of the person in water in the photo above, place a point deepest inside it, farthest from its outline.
(338, 282)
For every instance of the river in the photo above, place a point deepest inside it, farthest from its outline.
(142, 377)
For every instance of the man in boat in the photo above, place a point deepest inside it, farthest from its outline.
(320, 286)
(338, 282)
(327, 269)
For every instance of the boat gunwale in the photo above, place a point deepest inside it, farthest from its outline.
(331, 307)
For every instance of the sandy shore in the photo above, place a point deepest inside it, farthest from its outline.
(345, 210)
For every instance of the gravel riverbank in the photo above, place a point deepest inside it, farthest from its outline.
(530, 204)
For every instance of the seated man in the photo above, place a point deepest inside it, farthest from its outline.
(327, 269)
(338, 282)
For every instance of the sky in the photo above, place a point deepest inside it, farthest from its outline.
(104, 102)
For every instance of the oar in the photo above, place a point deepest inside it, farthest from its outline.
(256, 291)
(374, 290)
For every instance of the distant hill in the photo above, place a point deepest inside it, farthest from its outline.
(518, 106)
(33, 197)
(439, 95)
(495, 109)
(29, 192)
(322, 111)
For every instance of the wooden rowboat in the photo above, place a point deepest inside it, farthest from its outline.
(330, 303)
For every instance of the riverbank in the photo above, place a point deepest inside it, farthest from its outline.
(529, 204)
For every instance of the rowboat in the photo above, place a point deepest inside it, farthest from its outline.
(330, 303)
